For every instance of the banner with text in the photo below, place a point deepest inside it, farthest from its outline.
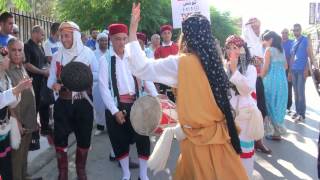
(182, 8)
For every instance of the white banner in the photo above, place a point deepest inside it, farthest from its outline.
(312, 13)
(182, 8)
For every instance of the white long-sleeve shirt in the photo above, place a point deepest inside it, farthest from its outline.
(95, 64)
(7, 98)
(86, 56)
(164, 70)
(246, 84)
(125, 80)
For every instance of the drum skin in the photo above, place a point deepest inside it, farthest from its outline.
(77, 76)
(145, 115)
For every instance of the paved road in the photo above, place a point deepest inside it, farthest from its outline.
(293, 158)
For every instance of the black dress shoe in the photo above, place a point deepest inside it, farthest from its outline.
(112, 159)
(34, 145)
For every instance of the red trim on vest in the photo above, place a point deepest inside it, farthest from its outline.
(247, 155)
(127, 98)
(61, 149)
(144, 157)
(59, 69)
(122, 156)
(254, 95)
(5, 152)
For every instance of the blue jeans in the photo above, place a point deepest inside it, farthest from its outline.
(298, 82)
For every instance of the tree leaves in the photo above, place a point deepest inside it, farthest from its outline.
(19, 4)
(104, 12)
(223, 25)
(101, 13)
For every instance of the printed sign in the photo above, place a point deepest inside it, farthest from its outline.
(183, 8)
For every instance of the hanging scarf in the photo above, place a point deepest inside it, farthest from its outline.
(251, 38)
(64, 54)
(200, 41)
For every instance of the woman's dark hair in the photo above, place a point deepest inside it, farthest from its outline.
(247, 59)
(264, 32)
(276, 40)
(243, 63)
(198, 39)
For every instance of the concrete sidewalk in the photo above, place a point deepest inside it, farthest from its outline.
(293, 158)
(100, 168)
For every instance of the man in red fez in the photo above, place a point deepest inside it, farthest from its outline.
(119, 89)
(73, 112)
(166, 49)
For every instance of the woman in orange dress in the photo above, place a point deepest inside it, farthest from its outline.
(211, 148)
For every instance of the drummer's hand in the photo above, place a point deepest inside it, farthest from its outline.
(134, 23)
(56, 87)
(120, 117)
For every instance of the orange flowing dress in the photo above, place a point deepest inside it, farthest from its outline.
(206, 153)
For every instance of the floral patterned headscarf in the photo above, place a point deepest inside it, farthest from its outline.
(198, 38)
(236, 40)
(244, 59)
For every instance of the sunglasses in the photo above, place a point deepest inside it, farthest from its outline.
(296, 30)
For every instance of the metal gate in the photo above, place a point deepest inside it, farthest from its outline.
(26, 21)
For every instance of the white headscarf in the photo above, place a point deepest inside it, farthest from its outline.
(106, 31)
(253, 41)
(100, 36)
(77, 45)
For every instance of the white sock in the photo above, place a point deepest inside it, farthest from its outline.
(112, 152)
(125, 168)
(143, 169)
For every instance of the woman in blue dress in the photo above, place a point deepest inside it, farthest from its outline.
(275, 86)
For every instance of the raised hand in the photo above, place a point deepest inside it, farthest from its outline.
(233, 53)
(134, 23)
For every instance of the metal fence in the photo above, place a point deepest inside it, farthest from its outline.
(26, 21)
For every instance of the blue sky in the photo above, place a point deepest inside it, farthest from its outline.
(274, 14)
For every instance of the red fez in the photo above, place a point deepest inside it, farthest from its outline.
(142, 36)
(118, 28)
(166, 28)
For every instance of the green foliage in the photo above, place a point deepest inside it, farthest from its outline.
(100, 13)
(19, 4)
(154, 13)
(223, 25)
